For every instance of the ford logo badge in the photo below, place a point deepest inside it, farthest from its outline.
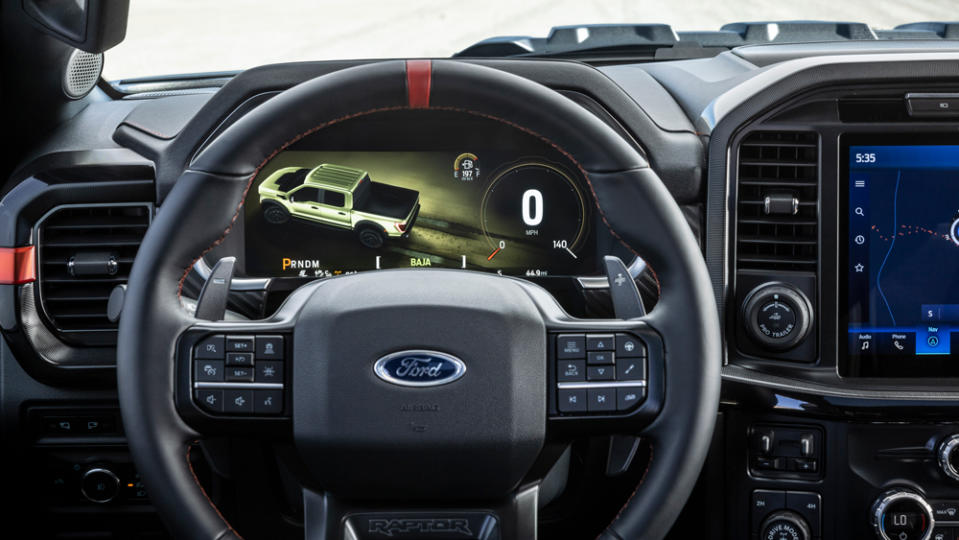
(419, 368)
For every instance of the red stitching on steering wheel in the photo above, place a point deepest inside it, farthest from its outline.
(189, 463)
(284, 146)
(649, 463)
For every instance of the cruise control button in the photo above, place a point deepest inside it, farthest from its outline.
(239, 374)
(210, 348)
(269, 347)
(627, 398)
(208, 370)
(570, 346)
(239, 344)
(601, 399)
(600, 373)
(210, 400)
(595, 358)
(268, 401)
(270, 372)
(629, 346)
(238, 401)
(600, 342)
(631, 369)
(571, 370)
(239, 359)
(572, 401)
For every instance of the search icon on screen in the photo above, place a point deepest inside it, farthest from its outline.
(859, 211)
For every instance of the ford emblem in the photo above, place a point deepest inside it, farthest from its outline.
(419, 368)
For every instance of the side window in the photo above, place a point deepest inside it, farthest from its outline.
(306, 195)
(334, 198)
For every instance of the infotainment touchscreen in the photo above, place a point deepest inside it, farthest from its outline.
(902, 263)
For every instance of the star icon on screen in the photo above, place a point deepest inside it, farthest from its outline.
(859, 268)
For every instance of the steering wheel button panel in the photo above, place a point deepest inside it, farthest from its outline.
(610, 386)
(234, 383)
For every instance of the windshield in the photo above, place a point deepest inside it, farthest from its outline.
(192, 36)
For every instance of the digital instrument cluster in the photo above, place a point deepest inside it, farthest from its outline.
(488, 198)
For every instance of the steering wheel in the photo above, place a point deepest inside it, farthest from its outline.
(475, 440)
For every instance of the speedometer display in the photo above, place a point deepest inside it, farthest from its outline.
(474, 195)
(533, 207)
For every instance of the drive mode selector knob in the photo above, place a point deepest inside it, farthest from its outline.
(777, 316)
(949, 456)
(901, 514)
(785, 525)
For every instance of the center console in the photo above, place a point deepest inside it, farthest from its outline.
(841, 299)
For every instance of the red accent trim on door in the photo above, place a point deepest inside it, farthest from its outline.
(418, 75)
(18, 265)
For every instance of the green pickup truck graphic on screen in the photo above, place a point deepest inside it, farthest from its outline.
(340, 197)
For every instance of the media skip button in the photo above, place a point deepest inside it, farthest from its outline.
(572, 401)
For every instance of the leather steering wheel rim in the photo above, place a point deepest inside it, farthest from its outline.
(206, 201)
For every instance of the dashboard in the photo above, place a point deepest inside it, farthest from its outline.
(820, 181)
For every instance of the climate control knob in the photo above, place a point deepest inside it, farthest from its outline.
(785, 525)
(901, 514)
(949, 456)
(777, 316)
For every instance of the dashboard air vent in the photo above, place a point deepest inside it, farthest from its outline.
(777, 213)
(84, 252)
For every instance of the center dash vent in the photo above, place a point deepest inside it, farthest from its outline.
(778, 201)
(84, 252)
